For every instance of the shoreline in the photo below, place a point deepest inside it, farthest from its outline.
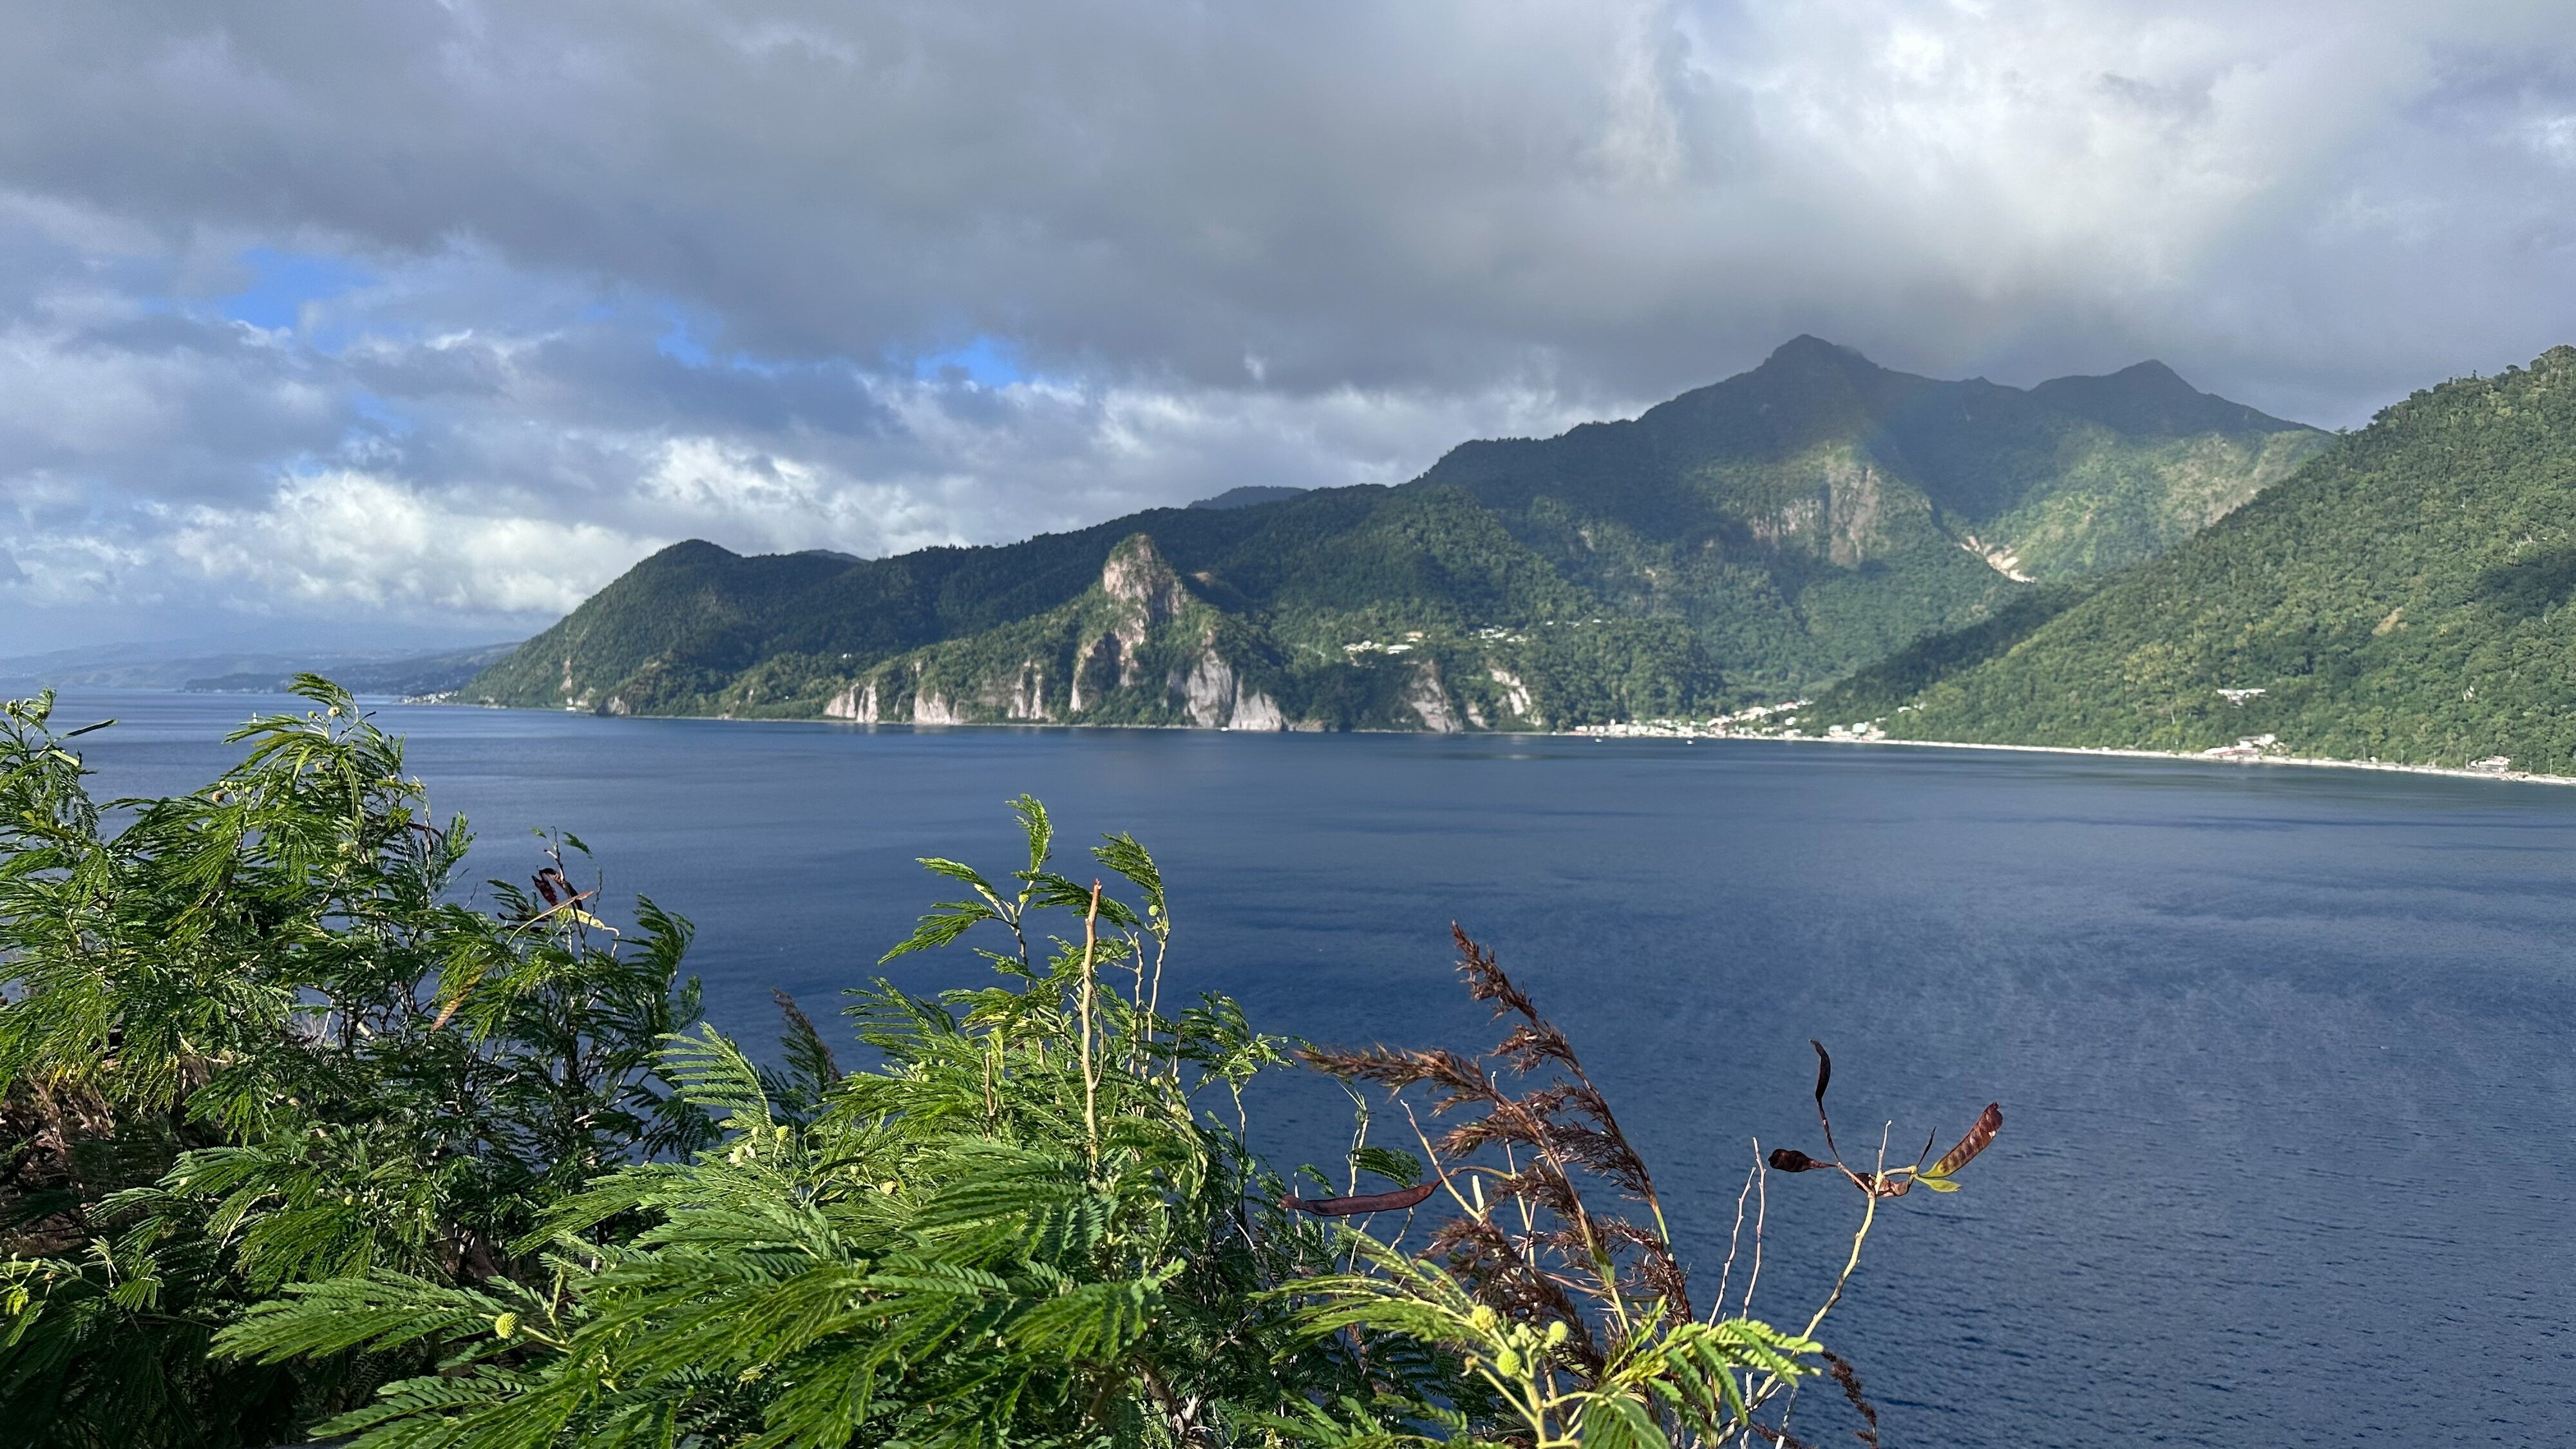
(2519, 777)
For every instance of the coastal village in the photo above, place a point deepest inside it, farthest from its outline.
(1761, 721)
(1783, 722)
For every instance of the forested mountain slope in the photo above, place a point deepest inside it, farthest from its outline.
(1748, 539)
(2406, 597)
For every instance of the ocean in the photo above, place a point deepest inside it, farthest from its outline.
(2284, 1056)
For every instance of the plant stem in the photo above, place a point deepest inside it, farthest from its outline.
(1090, 1074)
(1735, 1239)
(1877, 1177)
(1867, 1216)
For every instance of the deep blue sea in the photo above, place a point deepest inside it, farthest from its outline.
(2289, 1154)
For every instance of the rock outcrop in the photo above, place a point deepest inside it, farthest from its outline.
(1028, 699)
(1143, 591)
(1428, 698)
(1254, 710)
(1208, 691)
(1139, 576)
(857, 704)
(1144, 647)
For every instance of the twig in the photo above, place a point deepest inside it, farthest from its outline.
(1761, 1216)
(1437, 1170)
(1154, 993)
(1735, 1236)
(1090, 1075)
(1868, 1215)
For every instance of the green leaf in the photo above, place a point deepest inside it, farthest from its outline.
(1038, 828)
(1396, 1166)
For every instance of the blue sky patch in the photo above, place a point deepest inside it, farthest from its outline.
(680, 343)
(375, 410)
(988, 361)
(287, 281)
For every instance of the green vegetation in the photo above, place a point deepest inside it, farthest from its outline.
(1894, 683)
(2404, 598)
(308, 1145)
(1742, 542)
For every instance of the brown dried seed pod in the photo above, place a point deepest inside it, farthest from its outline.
(1370, 1202)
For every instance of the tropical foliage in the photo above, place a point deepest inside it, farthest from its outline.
(1895, 683)
(252, 1040)
(311, 1144)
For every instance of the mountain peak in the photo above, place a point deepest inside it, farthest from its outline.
(1138, 574)
(691, 549)
(1250, 495)
(1808, 350)
(2149, 399)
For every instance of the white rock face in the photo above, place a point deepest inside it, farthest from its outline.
(1208, 692)
(1216, 698)
(857, 704)
(1427, 697)
(1148, 590)
(1138, 574)
(1516, 695)
(1998, 557)
(1106, 654)
(1254, 710)
(932, 708)
(1028, 701)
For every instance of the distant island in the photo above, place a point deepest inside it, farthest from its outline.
(416, 676)
(200, 668)
(1757, 539)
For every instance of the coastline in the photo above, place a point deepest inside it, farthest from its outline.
(2520, 777)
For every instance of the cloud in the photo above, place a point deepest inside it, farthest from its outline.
(349, 539)
(815, 275)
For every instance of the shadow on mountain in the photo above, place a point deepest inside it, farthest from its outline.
(1875, 692)
(2530, 587)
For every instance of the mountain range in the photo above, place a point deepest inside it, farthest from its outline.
(411, 676)
(215, 667)
(1759, 537)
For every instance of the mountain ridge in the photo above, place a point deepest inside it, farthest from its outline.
(2410, 597)
(1758, 535)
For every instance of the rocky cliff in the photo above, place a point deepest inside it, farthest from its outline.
(1140, 648)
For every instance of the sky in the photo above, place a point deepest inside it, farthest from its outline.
(414, 322)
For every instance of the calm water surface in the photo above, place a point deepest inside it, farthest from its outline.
(2290, 1132)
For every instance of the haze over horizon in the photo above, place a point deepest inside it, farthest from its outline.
(423, 321)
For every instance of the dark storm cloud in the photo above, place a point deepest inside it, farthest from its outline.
(412, 310)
